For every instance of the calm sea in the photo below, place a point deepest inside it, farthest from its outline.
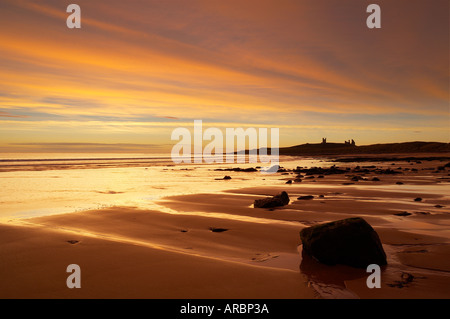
(43, 184)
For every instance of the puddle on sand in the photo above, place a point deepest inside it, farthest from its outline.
(329, 281)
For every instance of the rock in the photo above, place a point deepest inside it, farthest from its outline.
(319, 170)
(237, 169)
(275, 201)
(402, 214)
(350, 241)
(418, 199)
(407, 278)
(289, 182)
(306, 197)
(227, 177)
(387, 171)
(272, 169)
(217, 230)
(375, 179)
(399, 183)
(73, 242)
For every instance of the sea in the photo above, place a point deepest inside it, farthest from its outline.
(39, 184)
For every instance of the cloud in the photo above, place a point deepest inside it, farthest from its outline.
(87, 147)
(6, 114)
(265, 61)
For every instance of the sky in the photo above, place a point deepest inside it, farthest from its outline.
(136, 70)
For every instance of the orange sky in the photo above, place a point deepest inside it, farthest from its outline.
(138, 69)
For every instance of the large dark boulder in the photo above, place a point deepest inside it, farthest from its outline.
(275, 201)
(350, 241)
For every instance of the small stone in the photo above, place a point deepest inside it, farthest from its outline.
(306, 197)
(407, 278)
(402, 214)
(217, 230)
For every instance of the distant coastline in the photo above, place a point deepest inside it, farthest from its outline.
(349, 149)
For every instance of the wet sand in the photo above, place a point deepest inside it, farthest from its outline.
(216, 245)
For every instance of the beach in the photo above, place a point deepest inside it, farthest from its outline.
(238, 150)
(210, 242)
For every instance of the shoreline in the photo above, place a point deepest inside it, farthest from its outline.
(105, 162)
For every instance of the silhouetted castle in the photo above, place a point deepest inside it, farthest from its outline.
(352, 142)
(349, 142)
